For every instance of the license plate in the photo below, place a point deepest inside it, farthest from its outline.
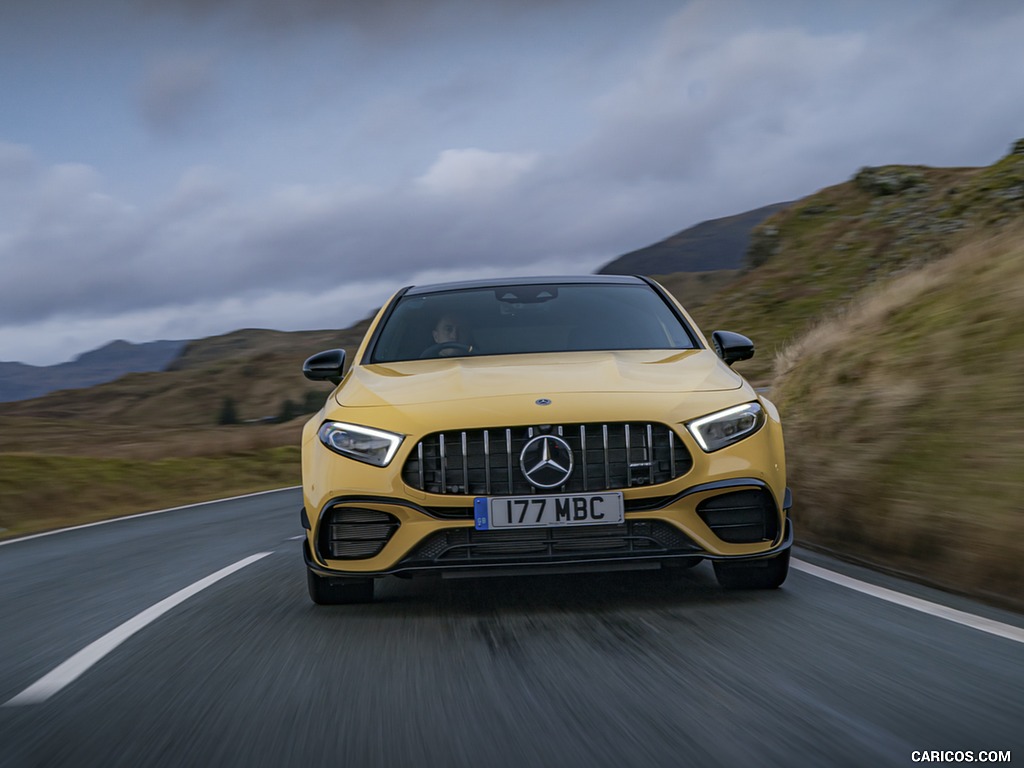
(547, 511)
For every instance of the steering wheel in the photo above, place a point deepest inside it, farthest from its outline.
(434, 350)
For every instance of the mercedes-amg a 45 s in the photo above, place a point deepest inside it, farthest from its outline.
(540, 424)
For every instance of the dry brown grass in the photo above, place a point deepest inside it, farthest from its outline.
(905, 440)
(153, 440)
(40, 436)
(40, 492)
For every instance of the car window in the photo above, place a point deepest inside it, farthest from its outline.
(519, 319)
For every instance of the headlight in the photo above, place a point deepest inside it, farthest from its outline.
(726, 427)
(374, 446)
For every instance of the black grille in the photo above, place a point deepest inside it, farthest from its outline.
(741, 517)
(540, 545)
(354, 533)
(606, 457)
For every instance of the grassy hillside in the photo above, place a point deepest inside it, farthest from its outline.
(821, 252)
(719, 244)
(42, 492)
(258, 369)
(694, 289)
(904, 431)
(151, 440)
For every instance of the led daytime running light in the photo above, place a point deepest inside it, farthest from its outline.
(704, 428)
(372, 446)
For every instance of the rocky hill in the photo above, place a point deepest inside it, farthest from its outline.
(258, 371)
(718, 244)
(811, 259)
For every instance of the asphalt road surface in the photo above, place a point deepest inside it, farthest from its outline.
(186, 638)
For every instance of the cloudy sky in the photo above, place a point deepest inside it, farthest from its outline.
(183, 168)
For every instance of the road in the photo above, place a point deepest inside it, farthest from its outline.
(644, 669)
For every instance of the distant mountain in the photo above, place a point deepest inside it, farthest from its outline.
(258, 370)
(706, 247)
(111, 361)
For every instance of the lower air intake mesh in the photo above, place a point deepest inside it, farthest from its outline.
(741, 517)
(354, 533)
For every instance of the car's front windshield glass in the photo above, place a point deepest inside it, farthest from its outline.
(519, 319)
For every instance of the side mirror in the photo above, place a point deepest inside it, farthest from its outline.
(732, 347)
(325, 366)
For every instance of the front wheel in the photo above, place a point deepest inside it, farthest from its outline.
(753, 574)
(327, 590)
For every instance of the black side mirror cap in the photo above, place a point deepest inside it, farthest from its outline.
(325, 366)
(732, 347)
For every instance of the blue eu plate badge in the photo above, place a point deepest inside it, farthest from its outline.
(480, 513)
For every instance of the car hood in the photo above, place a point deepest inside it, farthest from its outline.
(421, 382)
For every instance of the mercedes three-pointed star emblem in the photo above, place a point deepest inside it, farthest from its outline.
(546, 461)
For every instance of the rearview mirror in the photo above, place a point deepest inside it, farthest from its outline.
(732, 347)
(325, 366)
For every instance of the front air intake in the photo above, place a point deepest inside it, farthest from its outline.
(355, 533)
(741, 517)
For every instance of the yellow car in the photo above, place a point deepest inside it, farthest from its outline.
(540, 425)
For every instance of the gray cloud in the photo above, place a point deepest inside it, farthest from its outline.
(105, 257)
(384, 20)
(175, 92)
(692, 133)
(712, 117)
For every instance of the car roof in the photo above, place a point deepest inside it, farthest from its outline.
(538, 280)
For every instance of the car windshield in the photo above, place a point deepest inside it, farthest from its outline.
(518, 319)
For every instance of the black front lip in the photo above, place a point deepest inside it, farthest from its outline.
(563, 565)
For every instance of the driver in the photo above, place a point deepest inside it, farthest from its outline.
(449, 333)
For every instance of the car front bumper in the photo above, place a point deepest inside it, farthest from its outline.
(364, 536)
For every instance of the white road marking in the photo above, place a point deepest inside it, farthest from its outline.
(73, 668)
(997, 628)
(144, 514)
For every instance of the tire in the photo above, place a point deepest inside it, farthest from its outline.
(753, 574)
(324, 590)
